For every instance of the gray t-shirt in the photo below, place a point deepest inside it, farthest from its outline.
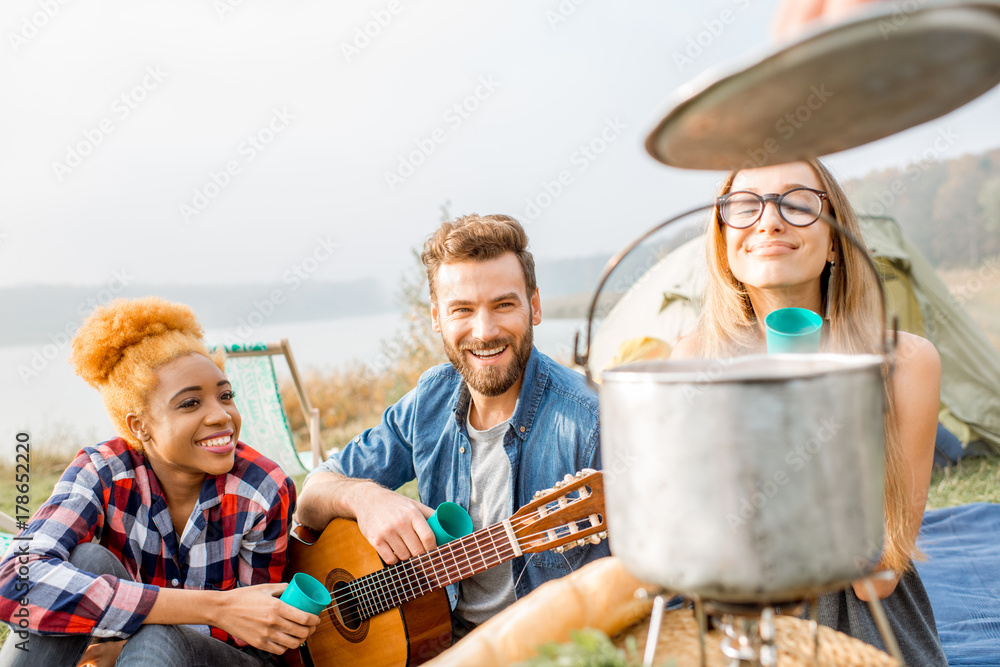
(489, 592)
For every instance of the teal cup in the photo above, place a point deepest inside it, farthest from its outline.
(307, 593)
(450, 522)
(793, 330)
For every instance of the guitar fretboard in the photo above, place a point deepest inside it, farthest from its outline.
(397, 584)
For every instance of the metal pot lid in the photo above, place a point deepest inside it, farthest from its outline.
(879, 73)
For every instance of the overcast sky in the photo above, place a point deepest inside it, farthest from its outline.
(198, 141)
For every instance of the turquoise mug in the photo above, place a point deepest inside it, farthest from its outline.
(450, 522)
(793, 330)
(307, 593)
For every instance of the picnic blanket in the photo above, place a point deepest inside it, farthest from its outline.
(962, 578)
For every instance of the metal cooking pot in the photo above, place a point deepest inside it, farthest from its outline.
(756, 479)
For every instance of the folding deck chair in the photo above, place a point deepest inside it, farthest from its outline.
(250, 368)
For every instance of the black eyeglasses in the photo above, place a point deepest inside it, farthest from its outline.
(799, 207)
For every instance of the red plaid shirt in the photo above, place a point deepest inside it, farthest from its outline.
(110, 494)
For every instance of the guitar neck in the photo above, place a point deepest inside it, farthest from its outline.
(459, 559)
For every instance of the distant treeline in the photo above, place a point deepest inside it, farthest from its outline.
(39, 313)
(949, 209)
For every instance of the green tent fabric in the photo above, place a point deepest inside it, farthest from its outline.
(265, 427)
(970, 364)
(664, 304)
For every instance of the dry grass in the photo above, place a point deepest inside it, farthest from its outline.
(973, 480)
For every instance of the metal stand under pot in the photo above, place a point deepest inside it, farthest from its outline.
(708, 434)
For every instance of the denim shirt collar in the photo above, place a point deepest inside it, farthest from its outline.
(533, 382)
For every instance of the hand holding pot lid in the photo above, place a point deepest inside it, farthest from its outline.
(875, 74)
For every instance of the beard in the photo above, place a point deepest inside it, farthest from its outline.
(492, 380)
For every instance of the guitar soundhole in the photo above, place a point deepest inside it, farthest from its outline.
(347, 606)
(344, 611)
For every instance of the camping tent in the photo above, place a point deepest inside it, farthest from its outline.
(664, 304)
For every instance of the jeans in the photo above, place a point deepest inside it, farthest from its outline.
(161, 645)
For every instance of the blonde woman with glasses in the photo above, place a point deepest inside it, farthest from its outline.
(768, 249)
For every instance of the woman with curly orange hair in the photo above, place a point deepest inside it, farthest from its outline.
(172, 536)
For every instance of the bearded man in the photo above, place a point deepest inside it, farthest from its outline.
(486, 431)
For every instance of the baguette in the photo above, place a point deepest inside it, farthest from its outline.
(600, 595)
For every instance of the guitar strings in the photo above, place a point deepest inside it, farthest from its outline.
(440, 561)
(372, 599)
(452, 548)
(327, 624)
(400, 575)
(485, 536)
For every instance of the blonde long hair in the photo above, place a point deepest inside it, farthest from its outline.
(728, 326)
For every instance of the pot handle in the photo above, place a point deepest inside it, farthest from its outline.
(890, 338)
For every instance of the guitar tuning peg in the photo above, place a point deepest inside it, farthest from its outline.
(559, 550)
(567, 479)
(586, 471)
(603, 535)
(595, 539)
(537, 495)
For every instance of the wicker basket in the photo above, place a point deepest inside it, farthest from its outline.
(678, 640)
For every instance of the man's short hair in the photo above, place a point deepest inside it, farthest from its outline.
(478, 238)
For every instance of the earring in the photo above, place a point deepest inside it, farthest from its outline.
(829, 288)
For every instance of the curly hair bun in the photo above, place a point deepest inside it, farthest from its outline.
(110, 330)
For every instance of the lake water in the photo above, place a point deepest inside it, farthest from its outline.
(44, 398)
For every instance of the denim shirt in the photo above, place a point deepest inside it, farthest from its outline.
(554, 431)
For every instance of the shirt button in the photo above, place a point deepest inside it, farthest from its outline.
(175, 582)
(461, 450)
(522, 429)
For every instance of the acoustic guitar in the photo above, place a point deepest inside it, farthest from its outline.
(399, 614)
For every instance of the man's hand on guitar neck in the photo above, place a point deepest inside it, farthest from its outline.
(395, 525)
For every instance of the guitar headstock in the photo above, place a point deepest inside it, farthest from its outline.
(568, 515)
